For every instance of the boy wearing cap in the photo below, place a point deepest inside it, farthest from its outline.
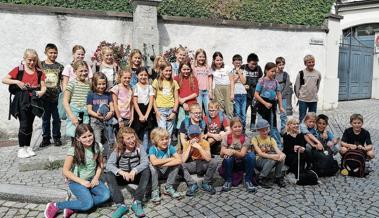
(268, 156)
(195, 118)
(196, 158)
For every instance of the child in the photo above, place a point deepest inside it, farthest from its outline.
(165, 162)
(217, 127)
(268, 156)
(188, 91)
(240, 94)
(306, 87)
(197, 159)
(75, 98)
(284, 81)
(268, 95)
(82, 168)
(203, 75)
(68, 73)
(357, 137)
(143, 101)
(195, 118)
(223, 80)
(166, 98)
(134, 62)
(309, 130)
(122, 99)
(128, 164)
(253, 73)
(155, 70)
(181, 55)
(53, 71)
(100, 108)
(326, 137)
(107, 66)
(28, 83)
(236, 154)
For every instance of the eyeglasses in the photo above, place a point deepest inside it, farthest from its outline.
(197, 113)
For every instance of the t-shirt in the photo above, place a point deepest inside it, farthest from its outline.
(239, 88)
(96, 100)
(202, 74)
(185, 88)
(29, 79)
(252, 77)
(305, 130)
(308, 91)
(124, 99)
(110, 73)
(268, 88)
(214, 125)
(184, 129)
(160, 154)
(221, 76)
(70, 73)
(143, 93)
(236, 144)
(85, 171)
(284, 82)
(165, 97)
(289, 142)
(53, 74)
(363, 138)
(266, 145)
(79, 92)
(194, 153)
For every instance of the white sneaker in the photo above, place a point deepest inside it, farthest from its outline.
(22, 153)
(30, 151)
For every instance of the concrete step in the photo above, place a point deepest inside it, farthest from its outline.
(47, 158)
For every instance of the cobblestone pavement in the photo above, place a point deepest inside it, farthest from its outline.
(335, 197)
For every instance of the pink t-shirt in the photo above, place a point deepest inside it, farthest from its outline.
(124, 99)
(202, 74)
(69, 72)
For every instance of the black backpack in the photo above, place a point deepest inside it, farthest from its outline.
(354, 161)
(326, 166)
(307, 177)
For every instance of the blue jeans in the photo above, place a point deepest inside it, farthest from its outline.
(249, 165)
(86, 198)
(240, 107)
(51, 110)
(145, 141)
(103, 129)
(163, 122)
(304, 106)
(283, 115)
(203, 99)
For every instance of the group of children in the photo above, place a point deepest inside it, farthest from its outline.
(123, 120)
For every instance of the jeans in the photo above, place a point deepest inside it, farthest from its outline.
(283, 115)
(253, 116)
(86, 198)
(199, 167)
(51, 110)
(266, 165)
(100, 128)
(116, 183)
(249, 165)
(274, 133)
(163, 122)
(26, 119)
(203, 99)
(163, 172)
(145, 141)
(303, 106)
(240, 101)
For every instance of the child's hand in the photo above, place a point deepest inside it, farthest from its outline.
(181, 101)
(353, 147)
(281, 109)
(94, 182)
(247, 87)
(282, 157)
(360, 147)
(121, 124)
(74, 120)
(210, 95)
(324, 135)
(99, 116)
(142, 119)
(185, 107)
(86, 184)
(132, 174)
(231, 97)
(319, 147)
(108, 116)
(171, 117)
(268, 105)
(39, 94)
(21, 85)
(297, 148)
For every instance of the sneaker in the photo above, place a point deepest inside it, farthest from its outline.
(264, 183)
(191, 190)
(226, 187)
(250, 187)
(208, 188)
(155, 198)
(169, 190)
(57, 142)
(67, 213)
(120, 211)
(137, 208)
(45, 142)
(51, 210)
(280, 182)
(30, 151)
(22, 153)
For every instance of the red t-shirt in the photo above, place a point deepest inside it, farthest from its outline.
(30, 79)
(214, 124)
(185, 88)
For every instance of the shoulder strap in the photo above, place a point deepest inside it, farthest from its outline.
(229, 139)
(20, 73)
(242, 139)
(202, 124)
(97, 68)
(186, 122)
(221, 115)
(302, 81)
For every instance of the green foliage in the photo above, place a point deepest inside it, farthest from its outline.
(303, 12)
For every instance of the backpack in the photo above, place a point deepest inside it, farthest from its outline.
(354, 161)
(138, 156)
(208, 119)
(285, 77)
(229, 139)
(326, 166)
(307, 177)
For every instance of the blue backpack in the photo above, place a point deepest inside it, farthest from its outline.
(202, 124)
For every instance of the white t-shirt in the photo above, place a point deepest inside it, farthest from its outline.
(109, 73)
(239, 88)
(221, 76)
(143, 93)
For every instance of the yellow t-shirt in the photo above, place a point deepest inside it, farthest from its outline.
(194, 153)
(266, 145)
(165, 96)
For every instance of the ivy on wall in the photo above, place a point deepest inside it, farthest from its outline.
(303, 12)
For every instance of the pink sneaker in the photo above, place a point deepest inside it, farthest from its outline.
(67, 213)
(51, 210)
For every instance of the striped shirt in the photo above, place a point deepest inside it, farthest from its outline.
(79, 92)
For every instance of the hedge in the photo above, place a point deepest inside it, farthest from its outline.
(303, 12)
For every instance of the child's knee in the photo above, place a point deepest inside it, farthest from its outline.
(371, 154)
